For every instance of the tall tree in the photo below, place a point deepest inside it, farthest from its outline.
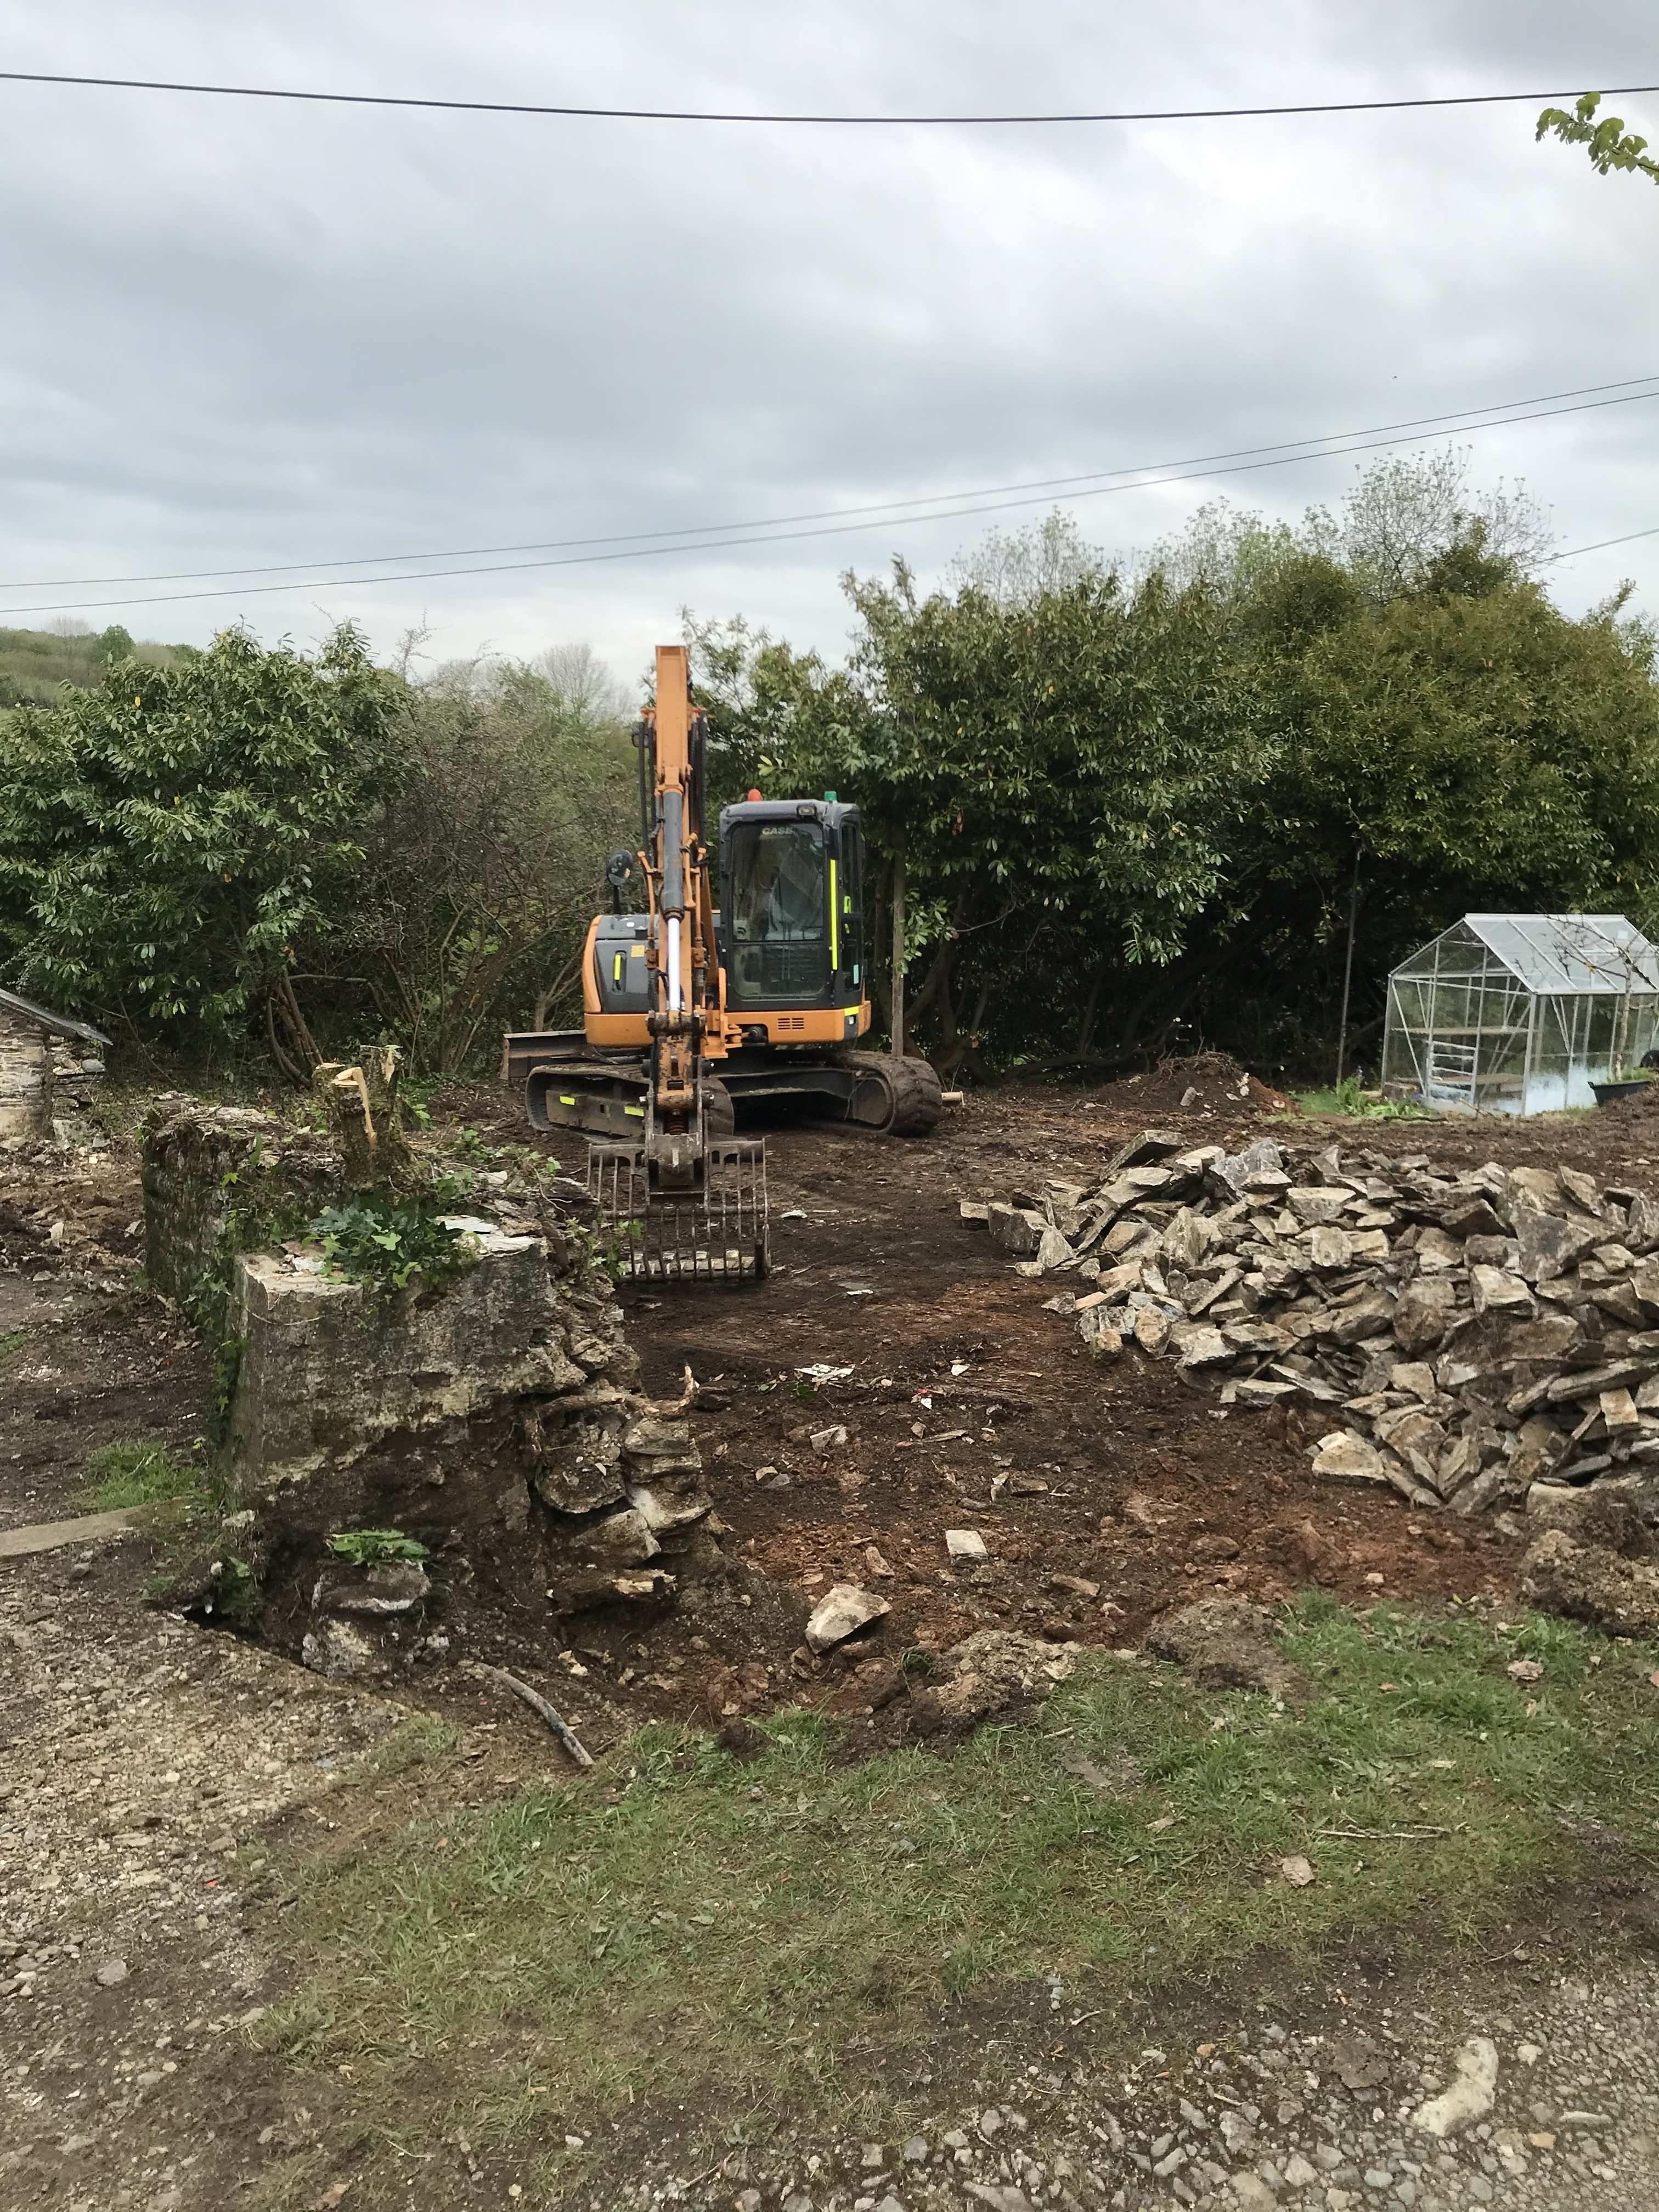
(168, 841)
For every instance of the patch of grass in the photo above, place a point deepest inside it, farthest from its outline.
(419, 1740)
(1360, 1105)
(139, 1472)
(679, 1923)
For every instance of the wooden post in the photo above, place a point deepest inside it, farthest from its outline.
(1348, 969)
(896, 1024)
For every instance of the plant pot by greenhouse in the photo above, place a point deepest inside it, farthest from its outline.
(1607, 1093)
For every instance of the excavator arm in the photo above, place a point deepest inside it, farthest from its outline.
(680, 939)
(691, 1198)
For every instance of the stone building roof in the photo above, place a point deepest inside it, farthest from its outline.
(63, 1025)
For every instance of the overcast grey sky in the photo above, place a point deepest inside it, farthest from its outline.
(238, 333)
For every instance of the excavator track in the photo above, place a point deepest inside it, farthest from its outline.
(900, 1098)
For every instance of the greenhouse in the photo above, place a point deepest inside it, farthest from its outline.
(1521, 1013)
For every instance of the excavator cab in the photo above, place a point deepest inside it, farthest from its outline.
(792, 922)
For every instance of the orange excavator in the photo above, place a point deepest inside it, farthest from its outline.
(692, 1011)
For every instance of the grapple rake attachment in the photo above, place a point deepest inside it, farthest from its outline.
(716, 1234)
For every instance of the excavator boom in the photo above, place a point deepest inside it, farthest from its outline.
(686, 1199)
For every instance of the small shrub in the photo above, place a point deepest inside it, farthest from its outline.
(376, 1238)
(376, 1547)
(1361, 1105)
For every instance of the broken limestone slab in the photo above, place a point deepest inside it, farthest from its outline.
(1497, 1291)
(1016, 1230)
(965, 1544)
(656, 1448)
(1151, 1329)
(382, 1592)
(1141, 1150)
(1421, 1314)
(1313, 1203)
(1618, 1412)
(1053, 1251)
(672, 1504)
(1198, 1346)
(1346, 1457)
(621, 1540)
(1417, 1438)
(1550, 1244)
(841, 1612)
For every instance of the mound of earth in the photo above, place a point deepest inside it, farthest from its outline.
(1202, 1083)
(1637, 1113)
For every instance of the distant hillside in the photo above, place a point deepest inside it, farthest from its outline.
(35, 663)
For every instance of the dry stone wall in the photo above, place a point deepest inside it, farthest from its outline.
(510, 1387)
(210, 1171)
(25, 1078)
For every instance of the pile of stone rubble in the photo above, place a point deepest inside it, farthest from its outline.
(1475, 1337)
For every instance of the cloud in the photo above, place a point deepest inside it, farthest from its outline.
(237, 333)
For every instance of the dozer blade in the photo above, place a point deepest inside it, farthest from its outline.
(716, 1234)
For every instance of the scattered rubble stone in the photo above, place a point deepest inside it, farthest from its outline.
(1460, 1336)
(1224, 1644)
(1592, 1584)
(987, 1673)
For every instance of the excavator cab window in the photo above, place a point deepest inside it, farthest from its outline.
(791, 920)
(776, 918)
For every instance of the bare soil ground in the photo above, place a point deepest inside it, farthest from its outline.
(117, 1723)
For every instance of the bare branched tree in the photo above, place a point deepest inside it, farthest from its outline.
(1013, 569)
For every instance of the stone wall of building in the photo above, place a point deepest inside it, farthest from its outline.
(25, 1078)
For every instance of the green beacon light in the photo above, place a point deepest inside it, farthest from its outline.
(829, 799)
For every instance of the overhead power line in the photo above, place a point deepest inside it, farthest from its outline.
(750, 115)
(944, 501)
(899, 514)
(1602, 543)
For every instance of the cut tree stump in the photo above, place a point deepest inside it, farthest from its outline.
(364, 1118)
